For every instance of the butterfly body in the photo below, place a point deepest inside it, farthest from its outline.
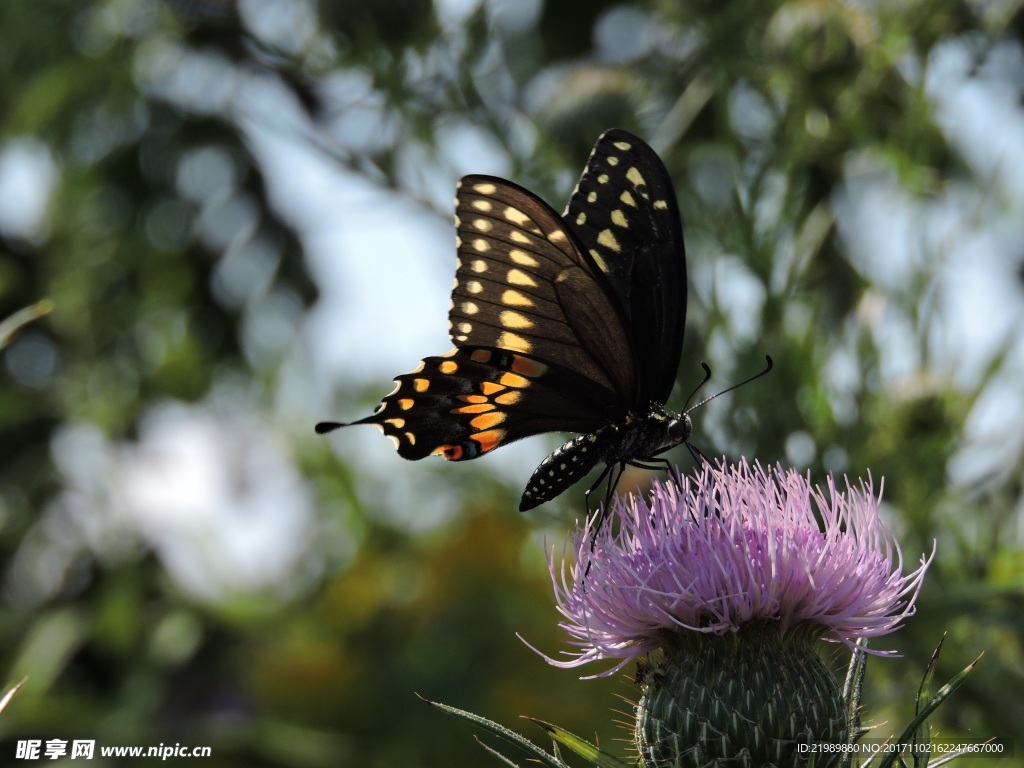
(567, 323)
(637, 440)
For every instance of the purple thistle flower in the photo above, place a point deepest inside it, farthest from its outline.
(734, 547)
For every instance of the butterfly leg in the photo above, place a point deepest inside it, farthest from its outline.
(653, 465)
(697, 454)
(609, 473)
(613, 472)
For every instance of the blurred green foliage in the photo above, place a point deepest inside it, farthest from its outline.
(176, 279)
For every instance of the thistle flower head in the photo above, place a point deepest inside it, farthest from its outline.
(734, 546)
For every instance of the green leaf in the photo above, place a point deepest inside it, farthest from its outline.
(943, 693)
(923, 734)
(21, 318)
(489, 725)
(581, 747)
(6, 699)
(853, 689)
(495, 753)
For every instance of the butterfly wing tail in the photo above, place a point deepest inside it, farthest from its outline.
(328, 426)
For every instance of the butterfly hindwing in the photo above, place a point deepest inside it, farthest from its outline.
(624, 212)
(524, 285)
(472, 400)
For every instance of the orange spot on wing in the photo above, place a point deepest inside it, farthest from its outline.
(480, 356)
(488, 420)
(488, 440)
(450, 452)
(473, 399)
(489, 387)
(509, 398)
(528, 367)
(514, 380)
(481, 408)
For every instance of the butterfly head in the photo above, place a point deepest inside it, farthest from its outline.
(679, 429)
(663, 431)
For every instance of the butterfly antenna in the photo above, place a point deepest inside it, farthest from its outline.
(707, 378)
(705, 401)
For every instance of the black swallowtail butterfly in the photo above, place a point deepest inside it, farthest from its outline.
(569, 323)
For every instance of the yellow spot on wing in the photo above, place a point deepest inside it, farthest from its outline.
(612, 160)
(509, 340)
(516, 299)
(421, 385)
(581, 218)
(479, 265)
(481, 245)
(519, 237)
(448, 367)
(515, 216)
(635, 177)
(515, 320)
(661, 205)
(483, 225)
(396, 423)
(607, 239)
(623, 145)
(518, 277)
(482, 205)
(470, 308)
(627, 198)
(599, 260)
(619, 218)
(522, 258)
(473, 286)
(485, 189)
(411, 438)
(557, 236)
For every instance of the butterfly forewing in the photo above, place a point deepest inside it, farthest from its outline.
(624, 212)
(472, 400)
(523, 285)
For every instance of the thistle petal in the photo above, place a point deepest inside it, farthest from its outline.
(733, 545)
